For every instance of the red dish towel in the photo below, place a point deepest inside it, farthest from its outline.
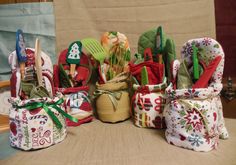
(155, 72)
(207, 74)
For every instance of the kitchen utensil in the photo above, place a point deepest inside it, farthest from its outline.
(20, 51)
(73, 55)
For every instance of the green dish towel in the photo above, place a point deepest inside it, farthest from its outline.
(183, 79)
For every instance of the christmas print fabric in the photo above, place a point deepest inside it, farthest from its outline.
(194, 117)
(77, 104)
(35, 129)
(148, 102)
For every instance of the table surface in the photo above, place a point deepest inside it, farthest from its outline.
(121, 143)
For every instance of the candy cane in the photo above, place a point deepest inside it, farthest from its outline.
(43, 118)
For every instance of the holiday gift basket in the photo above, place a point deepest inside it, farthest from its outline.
(193, 115)
(111, 95)
(150, 75)
(37, 115)
(71, 78)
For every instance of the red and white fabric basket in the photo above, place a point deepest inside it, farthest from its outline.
(148, 102)
(36, 123)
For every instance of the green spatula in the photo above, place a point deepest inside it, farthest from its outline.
(144, 76)
(98, 52)
(95, 48)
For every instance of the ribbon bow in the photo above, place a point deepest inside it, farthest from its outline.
(114, 96)
(46, 107)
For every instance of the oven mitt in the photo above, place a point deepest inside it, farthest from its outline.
(149, 40)
(113, 42)
(183, 79)
(159, 43)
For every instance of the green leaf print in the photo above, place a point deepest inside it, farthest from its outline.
(216, 46)
(182, 113)
(188, 127)
(182, 122)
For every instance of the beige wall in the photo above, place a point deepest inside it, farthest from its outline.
(181, 19)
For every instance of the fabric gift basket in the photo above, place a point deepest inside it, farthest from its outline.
(37, 116)
(150, 75)
(37, 123)
(149, 102)
(194, 115)
(74, 86)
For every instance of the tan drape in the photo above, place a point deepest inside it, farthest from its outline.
(181, 19)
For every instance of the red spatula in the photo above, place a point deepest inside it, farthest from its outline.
(202, 82)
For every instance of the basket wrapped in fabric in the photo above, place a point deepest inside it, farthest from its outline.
(112, 101)
(37, 123)
(74, 87)
(194, 115)
(148, 103)
(150, 74)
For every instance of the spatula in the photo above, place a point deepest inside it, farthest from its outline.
(95, 48)
(195, 64)
(207, 74)
(73, 55)
(20, 51)
(144, 76)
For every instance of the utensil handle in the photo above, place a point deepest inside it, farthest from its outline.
(38, 62)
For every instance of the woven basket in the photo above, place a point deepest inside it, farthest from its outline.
(113, 102)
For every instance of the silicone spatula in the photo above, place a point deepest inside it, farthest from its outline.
(207, 74)
(195, 64)
(95, 48)
(144, 76)
(73, 55)
(21, 51)
(38, 62)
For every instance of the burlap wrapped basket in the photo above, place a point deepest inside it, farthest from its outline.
(112, 102)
